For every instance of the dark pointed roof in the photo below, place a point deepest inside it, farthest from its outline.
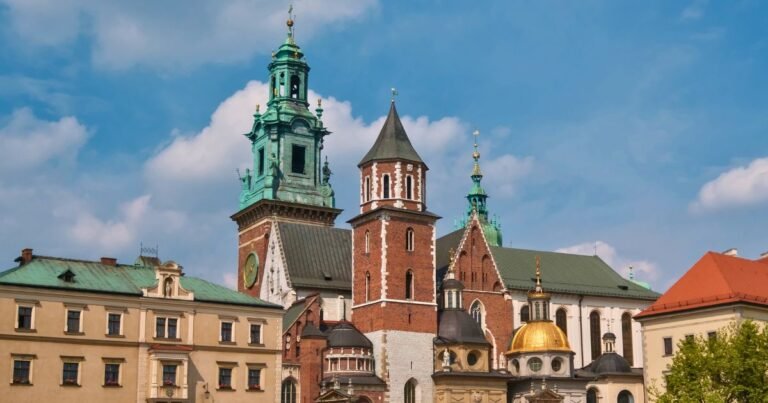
(457, 326)
(393, 142)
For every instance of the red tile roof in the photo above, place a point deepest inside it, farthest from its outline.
(716, 279)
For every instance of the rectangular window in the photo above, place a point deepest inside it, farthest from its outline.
(69, 373)
(226, 331)
(172, 327)
(254, 378)
(255, 333)
(21, 371)
(260, 166)
(225, 378)
(24, 320)
(169, 374)
(298, 155)
(111, 374)
(73, 321)
(409, 187)
(385, 186)
(160, 328)
(113, 324)
(667, 346)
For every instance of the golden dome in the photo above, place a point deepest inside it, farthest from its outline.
(539, 336)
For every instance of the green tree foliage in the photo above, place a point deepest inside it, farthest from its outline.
(732, 367)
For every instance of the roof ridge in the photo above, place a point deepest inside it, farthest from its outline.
(74, 260)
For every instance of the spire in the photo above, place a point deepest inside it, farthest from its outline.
(477, 200)
(393, 142)
(538, 275)
(538, 300)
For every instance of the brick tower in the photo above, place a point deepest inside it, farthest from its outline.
(288, 181)
(393, 260)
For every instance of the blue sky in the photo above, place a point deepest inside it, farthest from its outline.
(640, 128)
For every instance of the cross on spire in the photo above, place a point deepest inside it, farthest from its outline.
(394, 93)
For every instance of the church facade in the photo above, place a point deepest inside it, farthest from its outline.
(391, 312)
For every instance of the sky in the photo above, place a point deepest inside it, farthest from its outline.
(634, 130)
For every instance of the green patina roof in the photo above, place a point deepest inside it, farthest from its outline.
(90, 276)
(393, 142)
(317, 256)
(561, 272)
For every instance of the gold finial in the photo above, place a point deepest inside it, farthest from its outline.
(289, 23)
(451, 258)
(257, 108)
(319, 102)
(476, 154)
(538, 273)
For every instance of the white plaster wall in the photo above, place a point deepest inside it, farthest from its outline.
(408, 355)
(610, 310)
(274, 287)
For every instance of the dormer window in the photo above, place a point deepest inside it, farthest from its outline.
(68, 276)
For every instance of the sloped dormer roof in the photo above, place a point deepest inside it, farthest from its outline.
(716, 279)
(393, 142)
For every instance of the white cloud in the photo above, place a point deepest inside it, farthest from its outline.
(644, 270)
(504, 172)
(740, 186)
(230, 280)
(693, 11)
(173, 35)
(209, 157)
(26, 141)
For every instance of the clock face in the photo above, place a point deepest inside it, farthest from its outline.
(251, 270)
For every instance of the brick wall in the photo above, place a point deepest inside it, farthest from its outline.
(253, 240)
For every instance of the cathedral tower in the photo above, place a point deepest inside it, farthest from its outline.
(288, 180)
(393, 289)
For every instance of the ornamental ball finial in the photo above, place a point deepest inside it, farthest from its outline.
(289, 23)
(319, 102)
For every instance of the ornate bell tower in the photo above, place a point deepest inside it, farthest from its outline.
(288, 180)
(393, 281)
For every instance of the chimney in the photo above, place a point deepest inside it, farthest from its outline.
(731, 252)
(26, 256)
(109, 261)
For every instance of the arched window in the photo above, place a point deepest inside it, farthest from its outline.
(561, 320)
(288, 392)
(409, 187)
(409, 240)
(295, 86)
(274, 89)
(625, 397)
(594, 333)
(592, 395)
(385, 186)
(367, 241)
(626, 337)
(410, 391)
(367, 286)
(409, 285)
(281, 85)
(525, 313)
(367, 190)
(476, 310)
